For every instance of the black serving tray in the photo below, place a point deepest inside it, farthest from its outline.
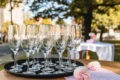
(7, 67)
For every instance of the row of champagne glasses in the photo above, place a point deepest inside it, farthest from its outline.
(41, 39)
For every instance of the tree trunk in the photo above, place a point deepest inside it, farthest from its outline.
(11, 7)
(101, 34)
(87, 23)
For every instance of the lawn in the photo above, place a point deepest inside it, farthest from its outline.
(1, 67)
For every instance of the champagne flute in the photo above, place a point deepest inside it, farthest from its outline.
(38, 44)
(77, 40)
(46, 48)
(70, 44)
(14, 44)
(70, 49)
(27, 45)
(52, 41)
(60, 45)
(35, 44)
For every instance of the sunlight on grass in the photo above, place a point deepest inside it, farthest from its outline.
(1, 67)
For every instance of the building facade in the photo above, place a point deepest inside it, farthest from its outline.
(5, 15)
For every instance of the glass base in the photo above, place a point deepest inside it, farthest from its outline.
(16, 70)
(49, 63)
(29, 72)
(52, 64)
(74, 64)
(39, 66)
(68, 69)
(34, 69)
(59, 71)
(18, 66)
(43, 62)
(60, 67)
(48, 70)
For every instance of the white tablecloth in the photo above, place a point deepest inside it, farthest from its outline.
(105, 51)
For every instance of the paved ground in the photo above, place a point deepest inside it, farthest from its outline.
(4, 49)
(6, 54)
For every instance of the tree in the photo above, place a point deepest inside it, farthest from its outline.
(48, 8)
(60, 21)
(5, 26)
(103, 22)
(3, 2)
(75, 8)
(2, 5)
(13, 3)
(86, 8)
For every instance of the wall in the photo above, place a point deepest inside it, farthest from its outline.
(1, 17)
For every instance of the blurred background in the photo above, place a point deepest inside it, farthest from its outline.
(99, 16)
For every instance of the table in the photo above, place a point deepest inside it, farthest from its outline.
(114, 66)
(105, 51)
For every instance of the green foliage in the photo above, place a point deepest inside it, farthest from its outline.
(63, 8)
(111, 19)
(48, 8)
(3, 2)
(5, 26)
(1, 67)
(117, 28)
(60, 21)
(101, 10)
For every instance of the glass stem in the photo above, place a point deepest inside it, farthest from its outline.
(50, 58)
(34, 60)
(46, 62)
(28, 64)
(15, 61)
(60, 61)
(37, 59)
(75, 57)
(69, 59)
